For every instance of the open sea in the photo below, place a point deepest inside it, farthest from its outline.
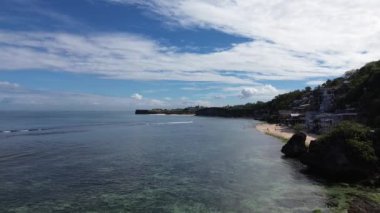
(121, 162)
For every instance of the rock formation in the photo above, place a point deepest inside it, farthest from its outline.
(295, 147)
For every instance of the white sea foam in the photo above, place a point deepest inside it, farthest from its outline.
(173, 123)
(181, 122)
(21, 130)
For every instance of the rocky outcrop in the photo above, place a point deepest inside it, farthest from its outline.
(346, 152)
(335, 159)
(363, 205)
(295, 147)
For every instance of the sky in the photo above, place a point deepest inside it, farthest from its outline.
(129, 54)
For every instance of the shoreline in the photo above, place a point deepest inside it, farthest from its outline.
(281, 132)
(168, 114)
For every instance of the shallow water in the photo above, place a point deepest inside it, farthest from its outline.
(119, 162)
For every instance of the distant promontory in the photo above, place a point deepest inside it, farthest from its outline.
(179, 111)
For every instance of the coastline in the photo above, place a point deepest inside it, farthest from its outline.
(168, 114)
(281, 132)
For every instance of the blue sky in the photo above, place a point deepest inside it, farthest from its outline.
(127, 54)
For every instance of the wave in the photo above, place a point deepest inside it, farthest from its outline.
(181, 122)
(22, 130)
(162, 114)
(63, 129)
(171, 123)
(52, 132)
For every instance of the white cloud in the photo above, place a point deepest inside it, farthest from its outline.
(319, 24)
(248, 92)
(137, 96)
(8, 85)
(218, 97)
(289, 40)
(293, 39)
(264, 90)
(185, 102)
(315, 82)
(118, 56)
(43, 100)
(15, 97)
(200, 88)
(126, 56)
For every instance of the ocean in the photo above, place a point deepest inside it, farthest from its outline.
(121, 162)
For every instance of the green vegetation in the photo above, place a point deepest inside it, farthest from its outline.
(266, 111)
(341, 195)
(358, 91)
(346, 153)
(298, 127)
(356, 139)
(362, 91)
(362, 150)
(284, 101)
(184, 111)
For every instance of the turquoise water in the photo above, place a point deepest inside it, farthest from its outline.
(120, 162)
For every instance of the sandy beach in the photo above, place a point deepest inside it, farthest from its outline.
(281, 132)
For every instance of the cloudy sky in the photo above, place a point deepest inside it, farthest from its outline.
(127, 54)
